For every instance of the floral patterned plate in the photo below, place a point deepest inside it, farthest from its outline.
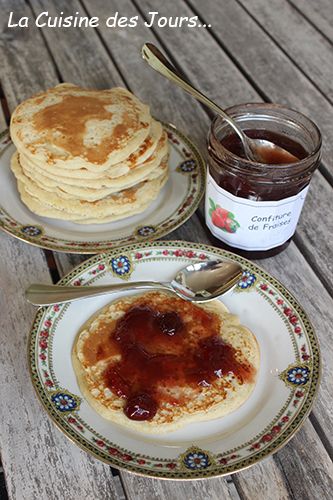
(287, 382)
(177, 201)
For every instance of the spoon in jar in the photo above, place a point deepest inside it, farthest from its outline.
(198, 282)
(258, 150)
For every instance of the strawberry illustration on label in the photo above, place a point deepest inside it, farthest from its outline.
(222, 218)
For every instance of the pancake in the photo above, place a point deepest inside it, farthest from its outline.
(87, 156)
(97, 189)
(74, 128)
(140, 160)
(114, 207)
(154, 362)
(46, 211)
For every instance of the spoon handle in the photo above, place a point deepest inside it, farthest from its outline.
(43, 295)
(159, 63)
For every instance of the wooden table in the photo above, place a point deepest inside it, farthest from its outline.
(256, 50)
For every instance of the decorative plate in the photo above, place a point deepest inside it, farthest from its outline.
(284, 394)
(176, 202)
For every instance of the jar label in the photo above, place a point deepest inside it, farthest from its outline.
(249, 224)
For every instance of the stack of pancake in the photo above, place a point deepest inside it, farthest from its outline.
(87, 156)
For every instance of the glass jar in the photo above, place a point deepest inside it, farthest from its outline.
(253, 208)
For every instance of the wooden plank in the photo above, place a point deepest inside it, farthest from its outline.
(316, 238)
(26, 66)
(154, 489)
(78, 52)
(155, 88)
(320, 13)
(3, 124)
(253, 483)
(67, 472)
(190, 231)
(267, 66)
(308, 479)
(307, 48)
(38, 461)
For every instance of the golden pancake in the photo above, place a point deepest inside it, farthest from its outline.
(73, 128)
(87, 156)
(86, 189)
(114, 207)
(154, 362)
(140, 160)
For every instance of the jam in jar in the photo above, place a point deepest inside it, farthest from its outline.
(253, 208)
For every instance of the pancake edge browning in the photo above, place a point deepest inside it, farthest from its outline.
(234, 333)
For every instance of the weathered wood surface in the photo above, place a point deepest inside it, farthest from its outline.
(318, 13)
(307, 479)
(20, 51)
(154, 489)
(236, 67)
(270, 69)
(39, 461)
(301, 42)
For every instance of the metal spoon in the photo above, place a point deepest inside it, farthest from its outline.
(197, 282)
(254, 149)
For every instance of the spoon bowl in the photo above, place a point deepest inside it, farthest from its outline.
(198, 282)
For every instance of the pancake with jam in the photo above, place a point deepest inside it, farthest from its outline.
(154, 362)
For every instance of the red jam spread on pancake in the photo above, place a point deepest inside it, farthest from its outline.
(157, 350)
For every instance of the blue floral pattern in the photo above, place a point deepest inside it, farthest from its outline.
(121, 266)
(298, 375)
(247, 280)
(196, 460)
(64, 401)
(146, 230)
(31, 231)
(187, 166)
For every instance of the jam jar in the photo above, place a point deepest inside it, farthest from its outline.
(253, 208)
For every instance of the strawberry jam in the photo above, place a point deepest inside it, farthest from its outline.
(271, 156)
(252, 208)
(172, 345)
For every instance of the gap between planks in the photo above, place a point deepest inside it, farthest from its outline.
(287, 53)
(310, 21)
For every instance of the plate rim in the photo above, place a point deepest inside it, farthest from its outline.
(202, 174)
(198, 474)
